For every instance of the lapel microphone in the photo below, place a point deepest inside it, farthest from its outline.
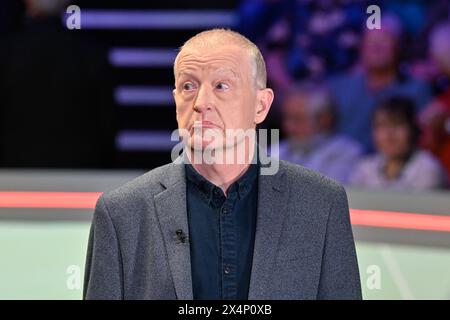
(181, 236)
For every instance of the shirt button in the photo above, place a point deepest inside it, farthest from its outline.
(225, 210)
(227, 270)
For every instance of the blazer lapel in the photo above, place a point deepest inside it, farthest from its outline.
(172, 213)
(272, 202)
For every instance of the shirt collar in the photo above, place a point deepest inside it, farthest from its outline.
(209, 191)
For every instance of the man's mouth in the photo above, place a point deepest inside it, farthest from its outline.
(204, 124)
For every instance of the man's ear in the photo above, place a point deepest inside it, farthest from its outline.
(264, 102)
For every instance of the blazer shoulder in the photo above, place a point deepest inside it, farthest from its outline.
(140, 187)
(302, 178)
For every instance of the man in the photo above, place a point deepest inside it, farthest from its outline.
(222, 230)
(309, 118)
(379, 78)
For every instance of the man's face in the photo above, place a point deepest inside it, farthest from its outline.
(378, 49)
(214, 91)
(298, 123)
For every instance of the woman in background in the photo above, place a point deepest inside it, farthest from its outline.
(398, 164)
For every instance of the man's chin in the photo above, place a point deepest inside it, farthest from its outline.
(204, 145)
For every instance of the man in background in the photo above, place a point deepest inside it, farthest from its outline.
(308, 121)
(379, 77)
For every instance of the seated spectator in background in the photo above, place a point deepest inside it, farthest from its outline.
(398, 163)
(435, 119)
(379, 78)
(309, 117)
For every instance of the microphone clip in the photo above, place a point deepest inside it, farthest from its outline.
(181, 237)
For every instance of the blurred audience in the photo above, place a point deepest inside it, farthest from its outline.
(327, 40)
(435, 12)
(379, 77)
(57, 107)
(308, 122)
(398, 164)
(56, 101)
(303, 38)
(435, 119)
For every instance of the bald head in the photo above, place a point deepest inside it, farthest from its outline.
(215, 38)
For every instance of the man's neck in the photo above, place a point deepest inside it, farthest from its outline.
(380, 79)
(223, 174)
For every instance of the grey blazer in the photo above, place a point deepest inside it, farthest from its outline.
(304, 247)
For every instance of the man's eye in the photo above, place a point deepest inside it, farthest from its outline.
(188, 86)
(222, 86)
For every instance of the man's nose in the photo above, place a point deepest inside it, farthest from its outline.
(203, 100)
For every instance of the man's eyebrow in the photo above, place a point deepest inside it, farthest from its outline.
(186, 73)
(228, 70)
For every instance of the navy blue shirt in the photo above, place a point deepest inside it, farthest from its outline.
(222, 234)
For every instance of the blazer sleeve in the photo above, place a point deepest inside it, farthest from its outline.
(103, 271)
(339, 277)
